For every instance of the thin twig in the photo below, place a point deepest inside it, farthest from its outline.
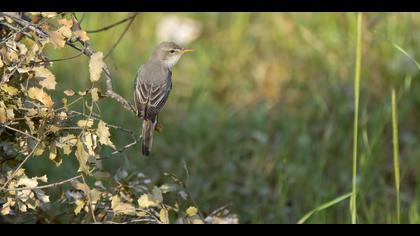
(110, 26)
(48, 185)
(20, 166)
(21, 132)
(121, 36)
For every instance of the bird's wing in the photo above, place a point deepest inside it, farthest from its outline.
(151, 97)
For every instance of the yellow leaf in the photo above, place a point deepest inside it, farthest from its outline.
(95, 94)
(9, 89)
(197, 222)
(96, 64)
(48, 14)
(85, 123)
(65, 22)
(163, 216)
(82, 35)
(120, 207)
(79, 206)
(104, 134)
(191, 211)
(49, 81)
(3, 116)
(82, 156)
(10, 114)
(145, 201)
(57, 39)
(40, 95)
(1, 62)
(65, 31)
(69, 92)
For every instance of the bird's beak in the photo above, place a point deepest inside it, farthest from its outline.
(185, 50)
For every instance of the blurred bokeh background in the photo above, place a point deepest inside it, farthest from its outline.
(261, 114)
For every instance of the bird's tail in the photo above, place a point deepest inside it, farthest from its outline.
(147, 136)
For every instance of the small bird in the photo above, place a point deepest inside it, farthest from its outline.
(152, 87)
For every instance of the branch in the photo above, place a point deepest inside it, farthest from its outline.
(19, 167)
(46, 186)
(87, 50)
(111, 26)
(121, 36)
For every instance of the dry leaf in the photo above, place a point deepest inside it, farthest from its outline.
(95, 94)
(85, 123)
(65, 22)
(82, 35)
(96, 64)
(120, 207)
(3, 116)
(65, 31)
(82, 156)
(191, 211)
(145, 201)
(104, 134)
(163, 216)
(48, 14)
(57, 39)
(49, 81)
(69, 92)
(9, 89)
(40, 95)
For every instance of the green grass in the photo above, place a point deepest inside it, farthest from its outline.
(357, 76)
(263, 112)
(396, 150)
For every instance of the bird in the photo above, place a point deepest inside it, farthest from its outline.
(152, 86)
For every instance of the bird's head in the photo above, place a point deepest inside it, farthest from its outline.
(169, 53)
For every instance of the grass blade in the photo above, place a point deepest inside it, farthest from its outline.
(358, 63)
(324, 206)
(396, 150)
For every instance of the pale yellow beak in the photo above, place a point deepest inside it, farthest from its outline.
(185, 50)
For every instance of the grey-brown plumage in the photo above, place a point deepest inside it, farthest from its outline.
(152, 87)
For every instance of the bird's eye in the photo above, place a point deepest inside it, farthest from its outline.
(172, 51)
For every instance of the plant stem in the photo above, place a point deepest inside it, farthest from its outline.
(356, 115)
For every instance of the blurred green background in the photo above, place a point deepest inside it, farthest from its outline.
(261, 114)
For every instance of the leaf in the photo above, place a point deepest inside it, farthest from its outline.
(96, 64)
(65, 22)
(79, 206)
(119, 207)
(57, 39)
(165, 188)
(95, 94)
(145, 201)
(12, 91)
(191, 211)
(324, 206)
(104, 134)
(69, 93)
(197, 222)
(27, 182)
(157, 195)
(82, 156)
(1, 62)
(49, 14)
(82, 35)
(163, 216)
(85, 123)
(40, 95)
(49, 81)
(3, 116)
(65, 31)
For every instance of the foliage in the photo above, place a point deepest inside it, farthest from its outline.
(37, 123)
